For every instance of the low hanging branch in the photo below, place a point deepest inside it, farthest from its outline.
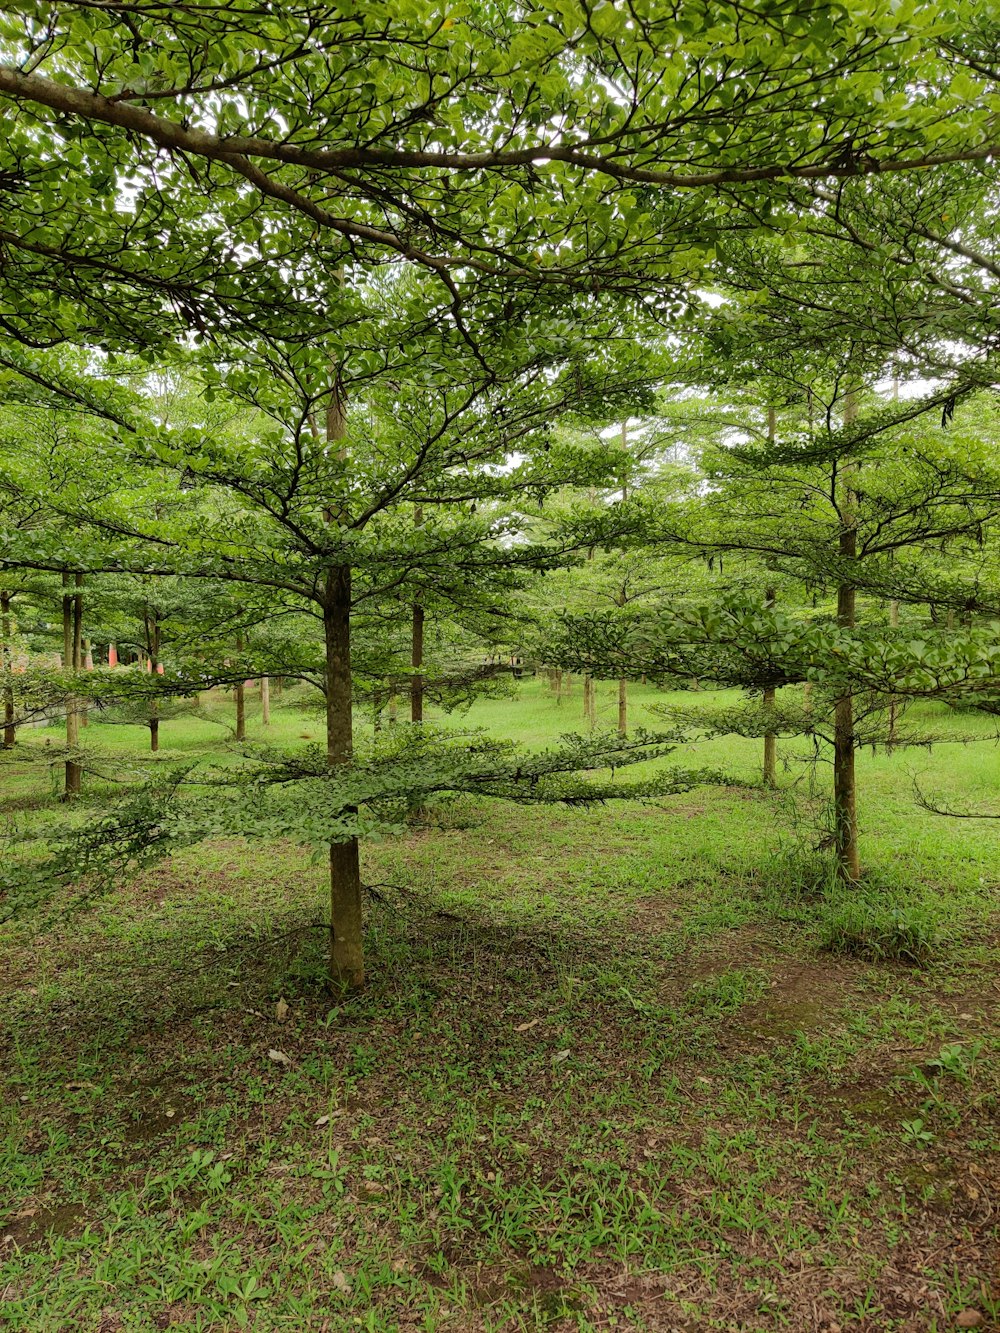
(298, 797)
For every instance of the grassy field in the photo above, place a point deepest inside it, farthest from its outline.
(634, 1067)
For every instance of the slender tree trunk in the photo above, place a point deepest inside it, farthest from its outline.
(770, 772)
(347, 969)
(7, 648)
(80, 653)
(417, 647)
(393, 708)
(72, 635)
(86, 664)
(844, 750)
(621, 601)
(417, 661)
(558, 682)
(894, 624)
(347, 962)
(241, 701)
(153, 639)
(770, 739)
(265, 701)
(589, 711)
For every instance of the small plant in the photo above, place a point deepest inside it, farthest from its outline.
(728, 991)
(956, 1060)
(914, 1132)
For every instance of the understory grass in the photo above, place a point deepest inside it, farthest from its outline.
(639, 1067)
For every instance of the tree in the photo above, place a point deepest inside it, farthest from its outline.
(299, 494)
(169, 168)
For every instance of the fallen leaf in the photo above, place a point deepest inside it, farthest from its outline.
(341, 1281)
(78, 1085)
(279, 1058)
(281, 1010)
(560, 1056)
(523, 1027)
(323, 1120)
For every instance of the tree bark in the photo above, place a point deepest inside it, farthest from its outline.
(589, 711)
(894, 624)
(347, 962)
(417, 647)
(265, 701)
(241, 702)
(844, 781)
(347, 969)
(153, 641)
(417, 661)
(72, 639)
(7, 647)
(770, 771)
(770, 739)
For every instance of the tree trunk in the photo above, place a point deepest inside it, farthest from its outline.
(770, 739)
(623, 707)
(265, 701)
(417, 647)
(770, 771)
(894, 624)
(347, 962)
(417, 661)
(347, 969)
(7, 648)
(844, 783)
(72, 636)
(393, 708)
(589, 711)
(153, 639)
(241, 702)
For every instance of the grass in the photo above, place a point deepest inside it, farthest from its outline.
(607, 1072)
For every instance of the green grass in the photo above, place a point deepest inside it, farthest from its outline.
(607, 1071)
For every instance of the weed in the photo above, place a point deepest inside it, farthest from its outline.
(866, 927)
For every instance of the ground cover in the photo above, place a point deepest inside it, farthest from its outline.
(632, 1067)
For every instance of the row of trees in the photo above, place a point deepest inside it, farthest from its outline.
(315, 331)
